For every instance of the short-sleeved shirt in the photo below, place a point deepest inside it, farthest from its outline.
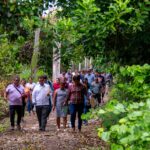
(90, 78)
(14, 96)
(95, 87)
(76, 94)
(30, 86)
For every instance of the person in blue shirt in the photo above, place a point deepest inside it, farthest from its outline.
(90, 77)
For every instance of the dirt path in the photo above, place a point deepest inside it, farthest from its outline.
(32, 139)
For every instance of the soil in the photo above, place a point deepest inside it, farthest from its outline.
(30, 138)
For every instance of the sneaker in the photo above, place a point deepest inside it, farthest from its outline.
(22, 120)
(40, 129)
(12, 128)
(58, 129)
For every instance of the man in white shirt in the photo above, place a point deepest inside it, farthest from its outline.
(40, 98)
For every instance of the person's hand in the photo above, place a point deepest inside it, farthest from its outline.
(23, 95)
(65, 103)
(48, 94)
(5, 98)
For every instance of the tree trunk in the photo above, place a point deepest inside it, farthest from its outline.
(56, 60)
(35, 55)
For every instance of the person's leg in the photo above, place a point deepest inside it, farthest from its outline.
(58, 122)
(64, 122)
(19, 115)
(98, 98)
(12, 116)
(29, 106)
(23, 108)
(103, 93)
(72, 109)
(102, 100)
(45, 112)
(39, 115)
(80, 111)
(50, 106)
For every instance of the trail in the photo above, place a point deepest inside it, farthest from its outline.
(29, 138)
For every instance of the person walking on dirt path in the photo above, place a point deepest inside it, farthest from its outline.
(51, 89)
(76, 100)
(24, 99)
(103, 88)
(30, 85)
(14, 94)
(60, 103)
(56, 84)
(40, 98)
(90, 76)
(87, 105)
(68, 76)
(96, 90)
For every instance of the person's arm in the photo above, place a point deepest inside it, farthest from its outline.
(6, 96)
(54, 100)
(6, 93)
(48, 90)
(69, 95)
(34, 96)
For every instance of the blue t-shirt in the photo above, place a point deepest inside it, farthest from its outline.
(90, 78)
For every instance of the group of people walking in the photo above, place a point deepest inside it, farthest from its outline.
(71, 93)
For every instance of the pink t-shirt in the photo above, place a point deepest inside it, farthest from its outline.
(14, 96)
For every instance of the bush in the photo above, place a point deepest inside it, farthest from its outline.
(125, 118)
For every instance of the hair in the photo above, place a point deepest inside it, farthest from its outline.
(16, 77)
(62, 82)
(45, 77)
(76, 78)
(41, 77)
(23, 79)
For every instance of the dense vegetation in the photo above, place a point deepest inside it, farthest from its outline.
(116, 33)
(125, 118)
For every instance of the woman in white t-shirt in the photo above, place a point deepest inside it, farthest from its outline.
(30, 85)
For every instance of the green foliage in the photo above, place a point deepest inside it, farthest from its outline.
(133, 83)
(3, 107)
(125, 118)
(131, 128)
(8, 56)
(108, 30)
(26, 73)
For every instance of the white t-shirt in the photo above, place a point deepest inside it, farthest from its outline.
(30, 85)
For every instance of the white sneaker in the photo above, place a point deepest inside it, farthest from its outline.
(58, 129)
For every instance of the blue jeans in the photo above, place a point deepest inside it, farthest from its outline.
(29, 105)
(76, 108)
